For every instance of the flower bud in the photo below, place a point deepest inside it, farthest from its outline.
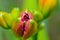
(2, 21)
(8, 19)
(25, 27)
(47, 6)
(37, 16)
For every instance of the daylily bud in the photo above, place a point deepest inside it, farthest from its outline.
(46, 6)
(2, 21)
(25, 27)
(37, 16)
(8, 19)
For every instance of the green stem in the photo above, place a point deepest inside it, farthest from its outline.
(35, 36)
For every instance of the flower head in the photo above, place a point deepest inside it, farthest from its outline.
(26, 26)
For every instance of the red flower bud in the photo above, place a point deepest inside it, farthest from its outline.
(26, 26)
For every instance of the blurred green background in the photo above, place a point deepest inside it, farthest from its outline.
(50, 32)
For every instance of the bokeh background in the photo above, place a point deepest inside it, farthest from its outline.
(50, 32)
